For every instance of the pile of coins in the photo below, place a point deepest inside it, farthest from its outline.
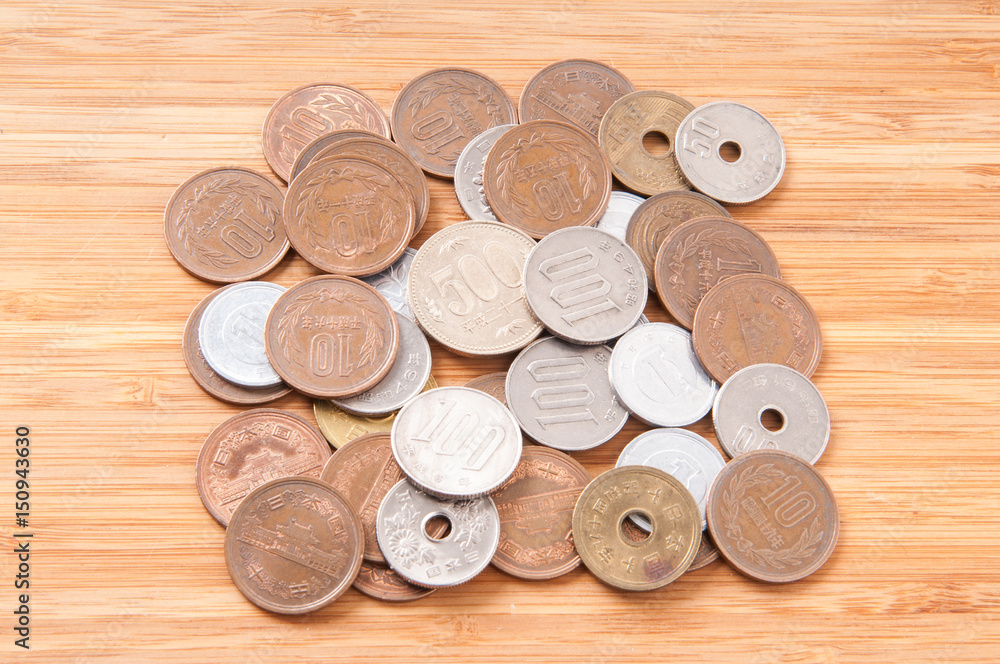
(428, 485)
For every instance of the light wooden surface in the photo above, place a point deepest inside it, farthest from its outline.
(885, 220)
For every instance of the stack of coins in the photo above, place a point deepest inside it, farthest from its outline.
(427, 485)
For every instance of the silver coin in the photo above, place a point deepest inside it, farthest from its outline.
(405, 380)
(456, 442)
(684, 454)
(585, 285)
(620, 208)
(231, 333)
(799, 410)
(469, 173)
(713, 134)
(394, 283)
(561, 395)
(436, 563)
(657, 376)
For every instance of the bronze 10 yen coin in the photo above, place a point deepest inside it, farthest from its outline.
(294, 545)
(536, 515)
(331, 336)
(383, 583)
(773, 516)
(576, 91)
(613, 555)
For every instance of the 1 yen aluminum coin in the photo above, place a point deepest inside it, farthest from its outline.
(560, 393)
(469, 173)
(231, 333)
(456, 442)
(730, 152)
(657, 376)
(682, 454)
(745, 399)
(436, 563)
(621, 206)
(585, 286)
(394, 283)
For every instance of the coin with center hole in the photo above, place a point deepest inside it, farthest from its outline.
(658, 378)
(615, 557)
(621, 206)
(773, 516)
(576, 91)
(469, 174)
(436, 562)
(800, 424)
(730, 152)
(231, 333)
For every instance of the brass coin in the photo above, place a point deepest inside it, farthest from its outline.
(615, 557)
(349, 215)
(536, 515)
(754, 319)
(320, 143)
(363, 471)
(224, 225)
(293, 545)
(383, 583)
(773, 516)
(658, 216)
(494, 384)
(576, 91)
(544, 175)
(700, 253)
(630, 120)
(392, 157)
(439, 112)
(205, 376)
(251, 448)
(313, 110)
(466, 288)
(340, 427)
(331, 336)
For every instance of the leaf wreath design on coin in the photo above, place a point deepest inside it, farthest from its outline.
(349, 215)
(331, 336)
(224, 225)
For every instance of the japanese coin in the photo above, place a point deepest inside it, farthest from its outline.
(332, 336)
(320, 143)
(455, 442)
(205, 376)
(655, 219)
(657, 377)
(224, 225)
(466, 288)
(754, 319)
(585, 285)
(621, 206)
(252, 448)
(405, 380)
(536, 515)
(680, 453)
(627, 123)
(462, 554)
(363, 471)
(293, 545)
(773, 516)
(707, 553)
(394, 283)
(381, 582)
(544, 175)
(469, 186)
(340, 427)
(231, 333)
(561, 395)
(730, 152)
(349, 215)
(803, 421)
(614, 556)
(394, 159)
(576, 91)
(437, 113)
(700, 253)
(311, 111)
(494, 384)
